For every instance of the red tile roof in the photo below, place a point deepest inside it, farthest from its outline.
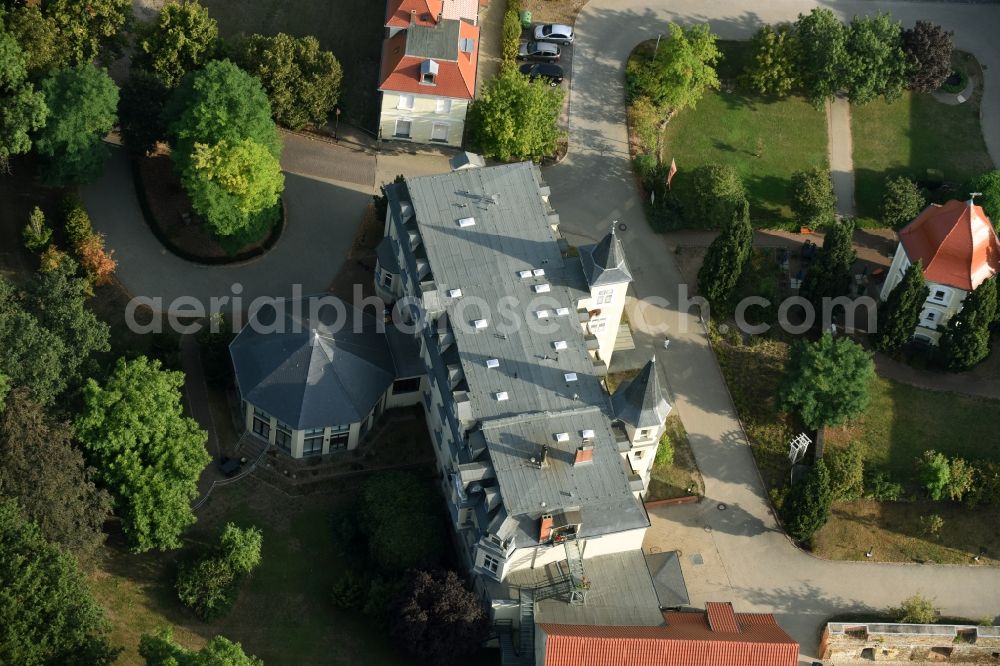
(721, 617)
(688, 639)
(424, 12)
(956, 242)
(457, 79)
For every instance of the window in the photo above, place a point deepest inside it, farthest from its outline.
(598, 324)
(339, 437)
(939, 295)
(387, 280)
(405, 102)
(312, 445)
(439, 132)
(491, 563)
(637, 454)
(410, 385)
(642, 434)
(605, 296)
(261, 424)
(283, 438)
(403, 129)
(443, 107)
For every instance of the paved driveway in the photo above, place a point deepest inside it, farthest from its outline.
(745, 557)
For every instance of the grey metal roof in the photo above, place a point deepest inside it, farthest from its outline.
(466, 160)
(439, 41)
(640, 402)
(386, 256)
(405, 352)
(312, 364)
(605, 263)
(668, 579)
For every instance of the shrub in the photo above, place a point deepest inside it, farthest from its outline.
(882, 488)
(97, 263)
(847, 473)
(901, 202)
(710, 195)
(77, 225)
(36, 233)
(206, 587)
(664, 452)
(961, 479)
(813, 200)
(985, 489)
(645, 120)
(348, 591)
(808, 506)
(931, 525)
(917, 609)
(51, 259)
(240, 548)
(645, 166)
(511, 35)
(934, 473)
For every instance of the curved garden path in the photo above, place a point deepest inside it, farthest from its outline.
(746, 558)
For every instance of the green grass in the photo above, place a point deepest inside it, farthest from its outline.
(669, 481)
(910, 136)
(734, 127)
(351, 29)
(283, 612)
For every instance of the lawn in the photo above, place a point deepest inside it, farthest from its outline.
(351, 29)
(283, 613)
(766, 140)
(899, 424)
(912, 135)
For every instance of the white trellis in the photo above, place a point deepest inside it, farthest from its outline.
(797, 447)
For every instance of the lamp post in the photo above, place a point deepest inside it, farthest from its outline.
(336, 126)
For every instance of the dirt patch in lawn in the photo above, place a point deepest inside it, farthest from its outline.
(554, 11)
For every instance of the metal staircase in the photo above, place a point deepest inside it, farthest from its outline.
(578, 581)
(527, 625)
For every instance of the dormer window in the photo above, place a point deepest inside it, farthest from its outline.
(428, 72)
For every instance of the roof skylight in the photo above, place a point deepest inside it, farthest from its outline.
(559, 344)
(542, 288)
(467, 222)
(492, 363)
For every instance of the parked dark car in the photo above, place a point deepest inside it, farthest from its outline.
(543, 70)
(543, 51)
(554, 32)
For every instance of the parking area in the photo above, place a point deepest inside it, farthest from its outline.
(565, 62)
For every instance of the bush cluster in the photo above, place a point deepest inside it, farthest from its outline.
(208, 584)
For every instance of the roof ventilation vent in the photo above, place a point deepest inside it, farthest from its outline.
(480, 323)
(542, 288)
(501, 396)
(562, 312)
(454, 293)
(570, 376)
(542, 314)
(524, 274)
(559, 345)
(562, 436)
(587, 435)
(467, 222)
(538, 272)
(492, 363)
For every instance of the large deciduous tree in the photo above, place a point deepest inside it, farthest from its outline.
(774, 69)
(42, 470)
(726, 257)
(988, 186)
(829, 275)
(899, 315)
(813, 200)
(710, 195)
(301, 80)
(966, 339)
(160, 650)
(822, 53)
(809, 503)
(438, 620)
(47, 614)
(83, 102)
(901, 202)
(181, 39)
(827, 381)
(87, 28)
(31, 356)
(681, 70)
(226, 149)
(146, 452)
(515, 118)
(928, 49)
(22, 108)
(876, 64)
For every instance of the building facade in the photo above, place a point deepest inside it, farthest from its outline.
(958, 249)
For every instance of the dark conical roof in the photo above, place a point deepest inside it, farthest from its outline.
(605, 263)
(641, 402)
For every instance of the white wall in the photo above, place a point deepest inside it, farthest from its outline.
(605, 325)
(425, 114)
(608, 544)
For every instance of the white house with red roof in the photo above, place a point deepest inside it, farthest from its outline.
(959, 249)
(428, 73)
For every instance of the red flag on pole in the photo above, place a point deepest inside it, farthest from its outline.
(671, 172)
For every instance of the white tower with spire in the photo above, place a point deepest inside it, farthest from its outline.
(608, 277)
(640, 406)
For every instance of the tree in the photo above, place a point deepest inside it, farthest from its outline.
(901, 202)
(822, 52)
(240, 547)
(829, 275)
(82, 103)
(140, 109)
(51, 259)
(677, 75)
(42, 470)
(36, 233)
(847, 473)
(966, 340)
(31, 356)
(146, 452)
(711, 195)
(46, 610)
(97, 263)
(917, 609)
(826, 382)
(437, 620)
(876, 65)
(160, 650)
(302, 81)
(928, 49)
(515, 118)
(899, 315)
(206, 586)
(38, 36)
(181, 39)
(934, 473)
(809, 503)
(813, 200)
(87, 28)
(77, 223)
(726, 257)
(232, 184)
(4, 391)
(988, 185)
(22, 108)
(774, 69)
(961, 479)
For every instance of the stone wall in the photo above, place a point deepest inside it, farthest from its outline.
(924, 643)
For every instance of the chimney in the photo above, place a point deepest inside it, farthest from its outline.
(544, 460)
(545, 528)
(413, 17)
(584, 454)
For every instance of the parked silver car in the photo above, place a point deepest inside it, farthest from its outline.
(554, 32)
(543, 51)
